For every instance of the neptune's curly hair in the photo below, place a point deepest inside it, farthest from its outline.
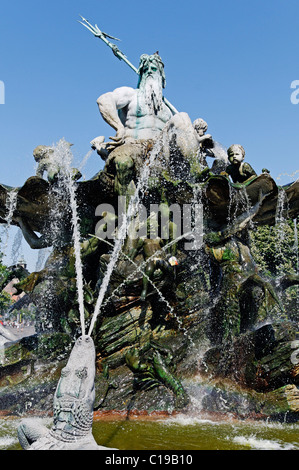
(145, 59)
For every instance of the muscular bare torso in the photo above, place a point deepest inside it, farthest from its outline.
(139, 123)
(126, 108)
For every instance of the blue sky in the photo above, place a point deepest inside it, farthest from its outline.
(230, 62)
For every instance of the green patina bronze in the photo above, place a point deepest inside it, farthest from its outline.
(163, 300)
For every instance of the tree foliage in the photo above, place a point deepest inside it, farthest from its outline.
(5, 298)
(275, 251)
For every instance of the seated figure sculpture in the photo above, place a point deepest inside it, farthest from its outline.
(238, 170)
(138, 113)
(42, 155)
(205, 140)
(140, 116)
(47, 163)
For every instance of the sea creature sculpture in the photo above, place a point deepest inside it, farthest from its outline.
(6, 335)
(73, 407)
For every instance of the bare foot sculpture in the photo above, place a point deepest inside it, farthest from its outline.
(73, 407)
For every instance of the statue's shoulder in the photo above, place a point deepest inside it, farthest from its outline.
(247, 168)
(124, 91)
(125, 96)
(121, 96)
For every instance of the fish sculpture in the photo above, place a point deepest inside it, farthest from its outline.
(72, 407)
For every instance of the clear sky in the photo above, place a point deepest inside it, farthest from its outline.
(230, 62)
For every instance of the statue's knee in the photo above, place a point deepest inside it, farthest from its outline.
(181, 120)
(124, 162)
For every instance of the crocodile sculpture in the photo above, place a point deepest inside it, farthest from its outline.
(72, 407)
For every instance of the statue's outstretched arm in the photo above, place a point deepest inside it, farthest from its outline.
(30, 236)
(40, 170)
(108, 109)
(109, 104)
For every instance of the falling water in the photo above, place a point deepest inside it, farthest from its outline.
(16, 247)
(289, 177)
(197, 218)
(238, 205)
(84, 161)
(41, 258)
(131, 212)
(140, 269)
(247, 206)
(11, 203)
(296, 245)
(143, 265)
(220, 152)
(230, 215)
(2, 350)
(197, 226)
(297, 256)
(62, 158)
(280, 221)
(279, 216)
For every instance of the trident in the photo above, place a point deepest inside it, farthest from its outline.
(100, 34)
